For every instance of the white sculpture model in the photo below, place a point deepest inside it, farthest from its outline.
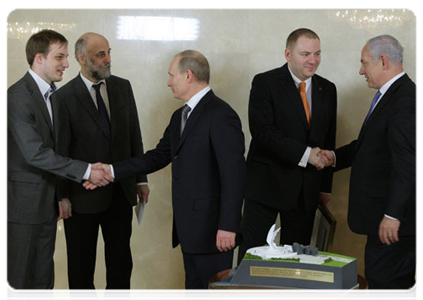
(273, 251)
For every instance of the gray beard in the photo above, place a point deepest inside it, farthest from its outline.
(100, 76)
(97, 74)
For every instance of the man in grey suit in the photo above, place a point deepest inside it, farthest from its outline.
(33, 164)
(100, 123)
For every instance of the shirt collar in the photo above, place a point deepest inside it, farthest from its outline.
(89, 83)
(387, 85)
(297, 80)
(197, 97)
(43, 86)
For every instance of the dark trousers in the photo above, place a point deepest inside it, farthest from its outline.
(390, 267)
(199, 268)
(30, 250)
(296, 225)
(81, 232)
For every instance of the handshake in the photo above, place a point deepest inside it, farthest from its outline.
(101, 175)
(321, 158)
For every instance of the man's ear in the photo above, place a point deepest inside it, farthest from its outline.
(385, 61)
(288, 55)
(190, 75)
(38, 58)
(81, 58)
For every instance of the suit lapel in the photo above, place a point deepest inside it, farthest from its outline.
(39, 100)
(317, 102)
(84, 97)
(293, 95)
(193, 118)
(113, 95)
(386, 98)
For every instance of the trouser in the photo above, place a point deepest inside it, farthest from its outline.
(199, 268)
(296, 225)
(81, 232)
(30, 250)
(390, 267)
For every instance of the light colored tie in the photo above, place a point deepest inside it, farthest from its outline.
(184, 117)
(305, 102)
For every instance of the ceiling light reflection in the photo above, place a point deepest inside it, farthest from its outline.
(23, 30)
(374, 18)
(157, 28)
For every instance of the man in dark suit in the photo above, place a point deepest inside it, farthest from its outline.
(99, 122)
(287, 130)
(382, 197)
(33, 164)
(205, 144)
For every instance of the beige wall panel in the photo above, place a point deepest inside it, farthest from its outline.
(238, 45)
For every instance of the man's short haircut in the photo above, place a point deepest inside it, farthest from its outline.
(296, 34)
(40, 43)
(387, 45)
(196, 62)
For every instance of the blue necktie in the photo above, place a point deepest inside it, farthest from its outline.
(102, 109)
(374, 101)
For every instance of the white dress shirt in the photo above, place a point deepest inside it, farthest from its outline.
(192, 103)
(44, 88)
(304, 160)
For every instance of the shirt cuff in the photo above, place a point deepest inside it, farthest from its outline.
(334, 159)
(113, 171)
(87, 173)
(392, 218)
(304, 160)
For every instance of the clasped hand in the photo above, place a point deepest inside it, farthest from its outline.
(321, 158)
(101, 175)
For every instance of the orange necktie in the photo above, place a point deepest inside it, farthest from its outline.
(305, 103)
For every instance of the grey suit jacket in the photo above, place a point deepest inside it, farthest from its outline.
(32, 162)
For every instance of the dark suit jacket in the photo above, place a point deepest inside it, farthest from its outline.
(280, 136)
(82, 137)
(208, 173)
(32, 162)
(383, 161)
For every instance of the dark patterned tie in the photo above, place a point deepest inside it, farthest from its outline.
(184, 118)
(372, 107)
(102, 109)
(47, 99)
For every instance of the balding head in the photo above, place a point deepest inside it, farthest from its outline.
(85, 41)
(92, 51)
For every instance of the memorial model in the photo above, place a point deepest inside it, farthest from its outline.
(295, 266)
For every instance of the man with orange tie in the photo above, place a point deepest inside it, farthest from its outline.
(292, 114)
